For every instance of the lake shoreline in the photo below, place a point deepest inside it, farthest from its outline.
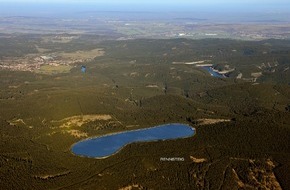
(193, 130)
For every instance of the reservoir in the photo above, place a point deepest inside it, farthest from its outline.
(104, 146)
(213, 73)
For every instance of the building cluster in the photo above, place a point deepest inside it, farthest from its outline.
(32, 63)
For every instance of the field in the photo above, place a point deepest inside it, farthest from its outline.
(242, 123)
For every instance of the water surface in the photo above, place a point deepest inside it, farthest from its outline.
(213, 73)
(104, 146)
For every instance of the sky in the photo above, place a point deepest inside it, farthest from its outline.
(154, 1)
(26, 7)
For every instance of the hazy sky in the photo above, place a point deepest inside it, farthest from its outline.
(26, 7)
(154, 1)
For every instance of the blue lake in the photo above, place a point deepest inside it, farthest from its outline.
(213, 73)
(104, 146)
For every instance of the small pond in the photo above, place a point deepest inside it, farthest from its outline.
(213, 73)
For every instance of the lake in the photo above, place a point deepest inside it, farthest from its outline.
(107, 145)
(213, 73)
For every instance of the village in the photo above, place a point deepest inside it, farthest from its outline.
(56, 62)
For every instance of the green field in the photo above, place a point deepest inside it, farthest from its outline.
(50, 69)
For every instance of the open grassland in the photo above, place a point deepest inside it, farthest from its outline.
(83, 54)
(50, 69)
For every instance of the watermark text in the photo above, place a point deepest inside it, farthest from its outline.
(172, 159)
